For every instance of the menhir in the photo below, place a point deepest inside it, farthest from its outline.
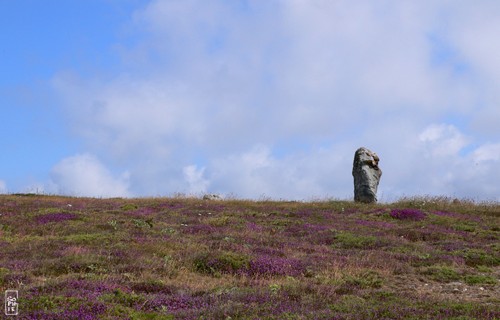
(366, 175)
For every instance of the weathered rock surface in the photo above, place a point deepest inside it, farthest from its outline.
(366, 175)
(212, 197)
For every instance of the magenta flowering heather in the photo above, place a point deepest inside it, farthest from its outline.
(375, 224)
(272, 266)
(175, 303)
(55, 217)
(83, 312)
(199, 229)
(176, 258)
(252, 226)
(407, 214)
(269, 251)
(141, 212)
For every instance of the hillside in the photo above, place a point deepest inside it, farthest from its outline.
(182, 258)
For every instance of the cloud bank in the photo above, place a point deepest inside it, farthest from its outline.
(3, 187)
(84, 175)
(272, 98)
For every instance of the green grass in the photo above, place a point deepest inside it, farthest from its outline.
(185, 258)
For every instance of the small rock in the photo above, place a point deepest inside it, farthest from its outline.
(212, 197)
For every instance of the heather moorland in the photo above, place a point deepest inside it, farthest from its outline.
(187, 258)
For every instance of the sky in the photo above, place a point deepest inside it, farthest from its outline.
(253, 99)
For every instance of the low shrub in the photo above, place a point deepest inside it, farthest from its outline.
(476, 257)
(55, 217)
(407, 214)
(365, 280)
(480, 279)
(442, 273)
(347, 240)
(275, 266)
(220, 263)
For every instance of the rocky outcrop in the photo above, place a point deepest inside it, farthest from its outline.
(366, 175)
(212, 197)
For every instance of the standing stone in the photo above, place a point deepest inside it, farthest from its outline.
(366, 175)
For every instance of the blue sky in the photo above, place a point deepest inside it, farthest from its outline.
(253, 99)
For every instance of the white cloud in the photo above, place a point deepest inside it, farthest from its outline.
(443, 140)
(194, 177)
(273, 98)
(84, 175)
(443, 168)
(3, 187)
(257, 173)
(38, 188)
(487, 152)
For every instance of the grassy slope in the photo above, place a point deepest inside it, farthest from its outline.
(162, 258)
